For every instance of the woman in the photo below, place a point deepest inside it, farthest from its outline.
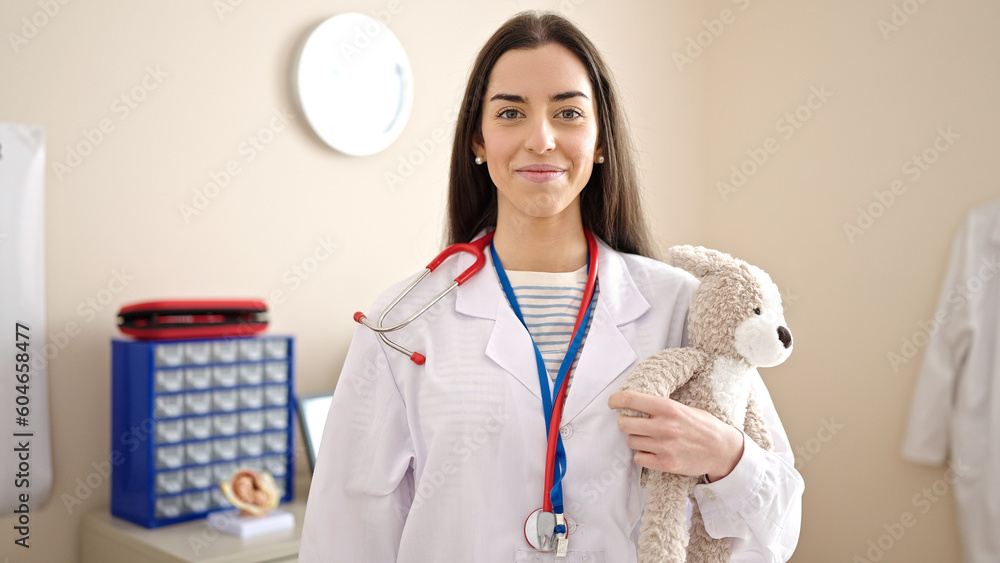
(446, 461)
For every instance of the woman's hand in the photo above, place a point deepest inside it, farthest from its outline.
(677, 438)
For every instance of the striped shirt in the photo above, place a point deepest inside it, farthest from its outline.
(549, 302)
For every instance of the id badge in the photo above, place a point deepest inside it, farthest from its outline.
(527, 555)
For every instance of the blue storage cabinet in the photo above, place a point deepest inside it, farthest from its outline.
(185, 414)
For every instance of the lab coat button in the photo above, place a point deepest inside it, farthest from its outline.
(566, 431)
(710, 494)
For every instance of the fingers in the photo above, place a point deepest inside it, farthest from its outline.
(657, 440)
(649, 404)
(639, 426)
(662, 413)
(645, 459)
(642, 444)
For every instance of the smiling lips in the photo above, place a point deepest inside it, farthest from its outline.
(539, 173)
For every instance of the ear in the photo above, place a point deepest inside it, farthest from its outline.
(699, 260)
(598, 152)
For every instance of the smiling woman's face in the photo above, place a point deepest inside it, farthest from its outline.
(538, 133)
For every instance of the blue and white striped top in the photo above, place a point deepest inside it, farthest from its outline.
(549, 303)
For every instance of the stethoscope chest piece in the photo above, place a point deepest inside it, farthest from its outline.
(546, 531)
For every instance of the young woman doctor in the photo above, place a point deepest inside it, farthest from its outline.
(446, 461)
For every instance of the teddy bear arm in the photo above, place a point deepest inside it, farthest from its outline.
(662, 373)
(755, 426)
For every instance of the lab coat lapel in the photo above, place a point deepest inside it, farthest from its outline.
(510, 344)
(606, 352)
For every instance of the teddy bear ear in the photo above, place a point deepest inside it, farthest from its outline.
(699, 260)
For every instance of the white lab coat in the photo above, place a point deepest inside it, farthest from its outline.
(443, 462)
(955, 415)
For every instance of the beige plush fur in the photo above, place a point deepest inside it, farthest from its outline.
(735, 324)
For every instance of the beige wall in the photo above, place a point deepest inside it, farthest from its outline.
(854, 299)
(221, 78)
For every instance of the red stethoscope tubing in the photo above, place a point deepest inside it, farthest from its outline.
(557, 407)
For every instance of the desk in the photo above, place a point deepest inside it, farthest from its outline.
(106, 539)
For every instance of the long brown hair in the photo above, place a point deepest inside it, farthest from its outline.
(610, 203)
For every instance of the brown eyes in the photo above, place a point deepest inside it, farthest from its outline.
(509, 114)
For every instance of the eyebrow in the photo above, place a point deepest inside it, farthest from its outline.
(555, 98)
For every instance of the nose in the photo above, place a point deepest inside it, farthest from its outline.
(785, 336)
(540, 138)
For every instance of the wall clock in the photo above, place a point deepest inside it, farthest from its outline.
(354, 84)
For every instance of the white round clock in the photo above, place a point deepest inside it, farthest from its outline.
(354, 84)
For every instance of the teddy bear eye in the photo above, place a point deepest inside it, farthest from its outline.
(756, 310)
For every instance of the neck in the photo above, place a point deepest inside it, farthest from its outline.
(541, 246)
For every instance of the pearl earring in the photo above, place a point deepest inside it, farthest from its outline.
(479, 160)
(600, 160)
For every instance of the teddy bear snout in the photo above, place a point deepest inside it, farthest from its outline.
(785, 336)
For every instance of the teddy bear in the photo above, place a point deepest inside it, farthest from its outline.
(735, 324)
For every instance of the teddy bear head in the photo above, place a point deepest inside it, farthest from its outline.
(736, 311)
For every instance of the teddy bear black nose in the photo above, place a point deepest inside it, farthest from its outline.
(784, 336)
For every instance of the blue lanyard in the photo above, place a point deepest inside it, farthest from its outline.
(559, 469)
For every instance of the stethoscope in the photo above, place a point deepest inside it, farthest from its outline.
(546, 528)
(476, 248)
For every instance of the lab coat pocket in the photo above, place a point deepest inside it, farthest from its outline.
(525, 555)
